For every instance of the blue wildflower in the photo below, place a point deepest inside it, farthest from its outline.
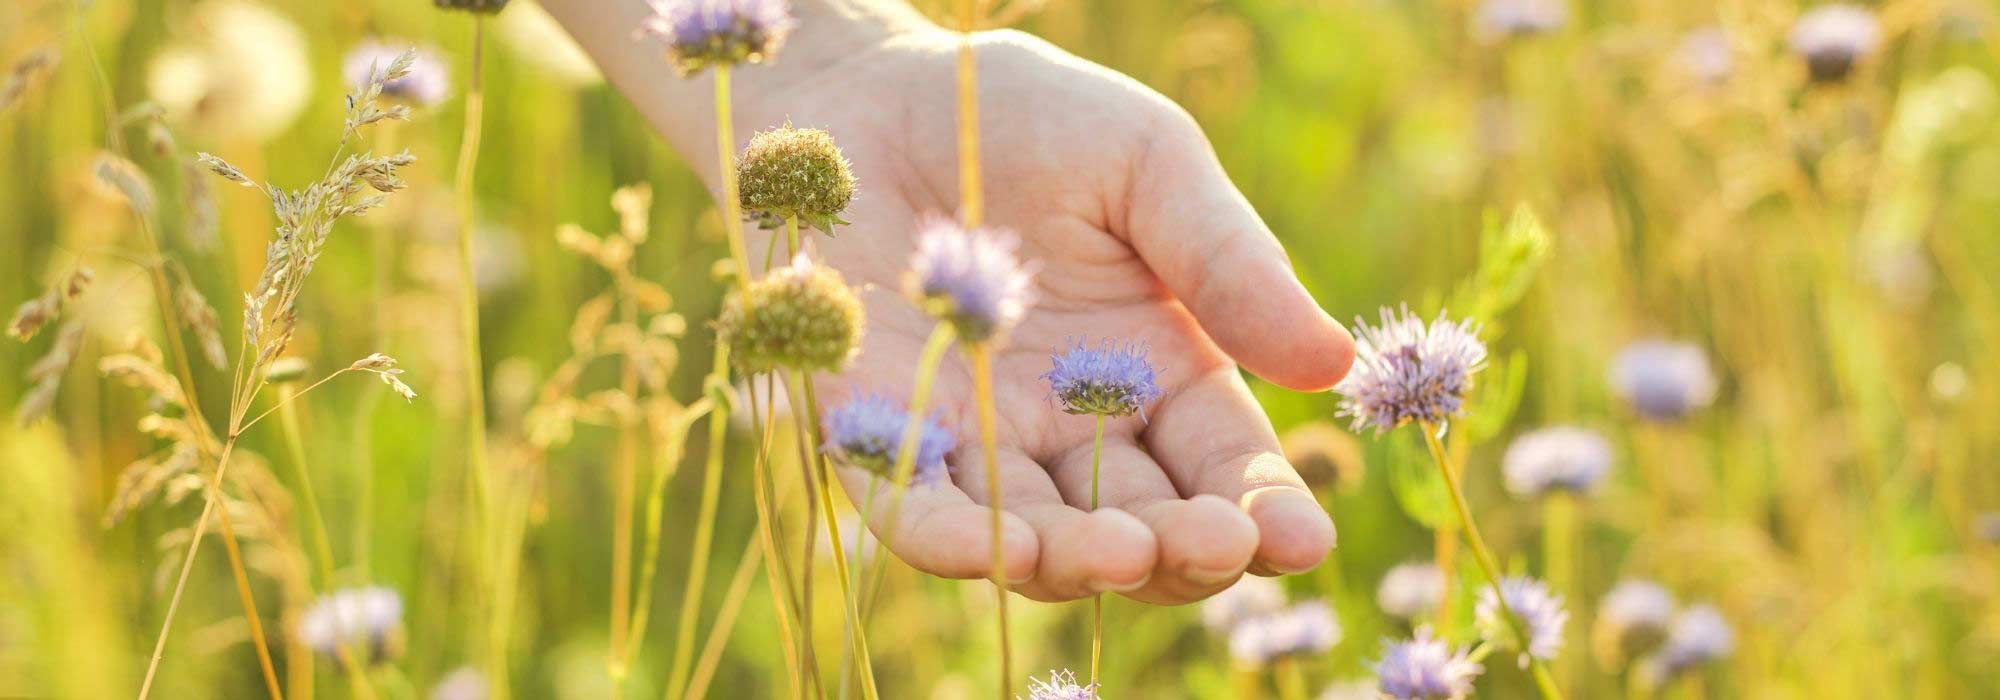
(1663, 380)
(1108, 380)
(1539, 611)
(866, 430)
(1425, 668)
(1061, 685)
(703, 33)
(1561, 458)
(1632, 620)
(1410, 590)
(365, 621)
(1305, 628)
(1699, 635)
(970, 279)
(1249, 597)
(426, 83)
(1405, 370)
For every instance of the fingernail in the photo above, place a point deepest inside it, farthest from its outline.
(1211, 577)
(1102, 586)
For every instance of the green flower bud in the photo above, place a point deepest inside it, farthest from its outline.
(801, 317)
(484, 7)
(789, 172)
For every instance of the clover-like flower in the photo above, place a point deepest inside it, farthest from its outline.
(1833, 39)
(1539, 611)
(970, 279)
(704, 33)
(789, 172)
(1411, 589)
(802, 316)
(1406, 370)
(1561, 458)
(1425, 668)
(426, 83)
(1108, 380)
(867, 430)
(364, 621)
(484, 7)
(1663, 380)
(1632, 620)
(1249, 597)
(1061, 685)
(1304, 628)
(1699, 635)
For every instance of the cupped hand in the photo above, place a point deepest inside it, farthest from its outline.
(1138, 236)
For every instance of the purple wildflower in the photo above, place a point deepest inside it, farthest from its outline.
(1521, 18)
(970, 279)
(1108, 380)
(1061, 685)
(1833, 38)
(365, 621)
(866, 430)
(1405, 370)
(703, 33)
(462, 684)
(1425, 668)
(1249, 597)
(1632, 619)
(1561, 458)
(1410, 590)
(1699, 635)
(1539, 611)
(427, 83)
(1305, 628)
(1663, 380)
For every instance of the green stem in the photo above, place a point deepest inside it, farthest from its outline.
(468, 329)
(904, 469)
(1558, 558)
(288, 420)
(809, 436)
(704, 535)
(1096, 601)
(1291, 680)
(778, 574)
(982, 389)
(1488, 564)
(672, 448)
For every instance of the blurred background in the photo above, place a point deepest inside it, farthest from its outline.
(1824, 236)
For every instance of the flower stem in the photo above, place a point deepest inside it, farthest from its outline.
(622, 513)
(972, 202)
(1096, 601)
(674, 441)
(732, 207)
(1558, 557)
(778, 574)
(468, 329)
(725, 621)
(1488, 564)
(808, 413)
(904, 469)
(288, 420)
(982, 389)
(704, 538)
(1291, 680)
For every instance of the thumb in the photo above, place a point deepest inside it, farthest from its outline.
(1197, 232)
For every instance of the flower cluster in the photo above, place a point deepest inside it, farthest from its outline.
(1539, 611)
(1562, 458)
(802, 316)
(867, 430)
(1425, 668)
(1304, 628)
(704, 33)
(364, 621)
(794, 173)
(1406, 370)
(1107, 380)
(970, 279)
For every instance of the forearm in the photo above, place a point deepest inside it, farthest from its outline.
(683, 109)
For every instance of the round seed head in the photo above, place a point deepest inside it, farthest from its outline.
(802, 316)
(1539, 611)
(484, 7)
(789, 172)
(867, 430)
(1425, 668)
(704, 33)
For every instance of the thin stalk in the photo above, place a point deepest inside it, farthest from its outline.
(1558, 558)
(670, 453)
(704, 539)
(809, 437)
(468, 329)
(904, 469)
(725, 620)
(732, 206)
(778, 575)
(1096, 601)
(1444, 553)
(1291, 680)
(971, 196)
(1488, 564)
(982, 389)
(288, 421)
(621, 518)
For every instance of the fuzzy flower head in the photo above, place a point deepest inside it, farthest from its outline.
(1539, 611)
(703, 33)
(970, 279)
(1406, 370)
(1663, 380)
(427, 82)
(1305, 628)
(1249, 597)
(1425, 668)
(1521, 18)
(788, 173)
(1833, 38)
(801, 316)
(1061, 685)
(1107, 380)
(466, 683)
(866, 431)
(1410, 590)
(1632, 620)
(1699, 635)
(1562, 458)
(484, 7)
(362, 621)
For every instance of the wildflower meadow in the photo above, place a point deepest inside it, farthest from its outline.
(1015, 349)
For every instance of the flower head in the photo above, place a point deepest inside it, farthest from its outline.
(1833, 38)
(801, 316)
(1425, 668)
(1699, 635)
(363, 621)
(1107, 380)
(1405, 370)
(1061, 685)
(484, 7)
(1663, 380)
(1562, 458)
(789, 172)
(1539, 611)
(970, 279)
(463, 684)
(1410, 590)
(867, 429)
(1632, 619)
(703, 33)
(1249, 597)
(1520, 18)
(427, 82)
(1705, 55)
(1305, 628)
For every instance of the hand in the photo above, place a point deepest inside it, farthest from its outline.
(1139, 236)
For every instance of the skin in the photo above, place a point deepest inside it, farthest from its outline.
(1138, 235)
